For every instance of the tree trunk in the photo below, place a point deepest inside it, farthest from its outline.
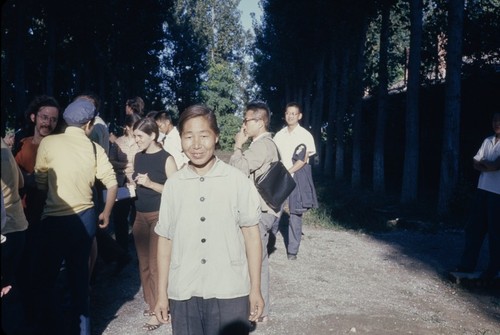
(357, 107)
(317, 106)
(328, 169)
(51, 59)
(379, 150)
(19, 63)
(449, 161)
(409, 188)
(341, 111)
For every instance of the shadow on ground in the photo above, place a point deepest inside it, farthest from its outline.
(111, 291)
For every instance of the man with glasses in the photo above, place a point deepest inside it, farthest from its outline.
(296, 146)
(254, 162)
(43, 115)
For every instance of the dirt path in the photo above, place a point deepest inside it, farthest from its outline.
(342, 283)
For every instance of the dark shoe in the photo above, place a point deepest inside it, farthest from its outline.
(271, 243)
(292, 257)
(121, 263)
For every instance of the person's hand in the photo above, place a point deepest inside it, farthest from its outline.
(256, 306)
(240, 138)
(112, 138)
(9, 139)
(5, 290)
(162, 310)
(103, 220)
(142, 179)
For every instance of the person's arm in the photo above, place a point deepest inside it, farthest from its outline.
(143, 179)
(106, 174)
(253, 246)
(252, 158)
(490, 165)
(110, 202)
(299, 164)
(301, 160)
(164, 251)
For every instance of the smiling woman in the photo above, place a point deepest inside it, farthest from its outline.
(152, 167)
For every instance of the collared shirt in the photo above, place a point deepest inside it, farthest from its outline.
(489, 150)
(66, 167)
(172, 144)
(256, 160)
(288, 141)
(203, 216)
(121, 156)
(11, 177)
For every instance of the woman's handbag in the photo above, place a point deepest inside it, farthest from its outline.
(276, 184)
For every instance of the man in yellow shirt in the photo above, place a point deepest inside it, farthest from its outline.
(67, 166)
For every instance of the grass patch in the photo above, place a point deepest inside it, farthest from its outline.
(342, 207)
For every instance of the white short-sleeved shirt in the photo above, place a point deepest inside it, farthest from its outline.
(489, 150)
(288, 141)
(203, 216)
(172, 144)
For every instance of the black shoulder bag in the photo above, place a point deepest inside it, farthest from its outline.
(276, 184)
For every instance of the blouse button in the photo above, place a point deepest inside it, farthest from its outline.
(202, 179)
(202, 219)
(203, 261)
(203, 240)
(202, 199)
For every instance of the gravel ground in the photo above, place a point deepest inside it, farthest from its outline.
(343, 282)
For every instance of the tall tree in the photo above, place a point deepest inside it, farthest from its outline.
(383, 76)
(358, 89)
(451, 130)
(411, 160)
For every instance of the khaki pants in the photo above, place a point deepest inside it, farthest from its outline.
(146, 245)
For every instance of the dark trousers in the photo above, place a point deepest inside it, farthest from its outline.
(123, 213)
(12, 252)
(293, 234)
(198, 316)
(484, 220)
(12, 305)
(67, 238)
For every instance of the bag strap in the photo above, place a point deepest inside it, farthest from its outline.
(277, 150)
(95, 152)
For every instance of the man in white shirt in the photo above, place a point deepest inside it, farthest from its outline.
(486, 211)
(170, 138)
(287, 140)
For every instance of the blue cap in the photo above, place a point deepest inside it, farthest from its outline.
(79, 112)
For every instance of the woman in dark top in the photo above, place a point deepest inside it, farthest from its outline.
(152, 167)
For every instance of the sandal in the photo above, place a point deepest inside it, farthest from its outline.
(263, 319)
(149, 327)
(148, 313)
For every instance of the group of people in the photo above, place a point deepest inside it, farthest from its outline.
(199, 225)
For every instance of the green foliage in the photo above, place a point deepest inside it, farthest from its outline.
(229, 125)
(215, 40)
(220, 90)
